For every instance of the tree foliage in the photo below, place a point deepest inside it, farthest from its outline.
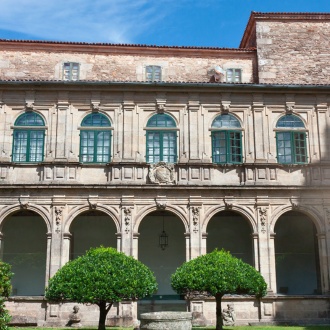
(5, 290)
(218, 273)
(102, 276)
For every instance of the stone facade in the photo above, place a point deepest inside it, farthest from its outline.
(272, 214)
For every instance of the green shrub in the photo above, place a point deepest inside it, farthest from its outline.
(5, 290)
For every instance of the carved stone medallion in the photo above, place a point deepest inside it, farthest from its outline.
(162, 173)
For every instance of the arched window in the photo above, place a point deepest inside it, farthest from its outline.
(95, 138)
(291, 140)
(226, 140)
(161, 139)
(29, 138)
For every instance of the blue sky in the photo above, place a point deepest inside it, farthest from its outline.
(213, 23)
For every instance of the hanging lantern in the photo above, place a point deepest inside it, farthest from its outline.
(163, 238)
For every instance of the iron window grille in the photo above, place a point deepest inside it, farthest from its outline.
(95, 142)
(161, 141)
(28, 138)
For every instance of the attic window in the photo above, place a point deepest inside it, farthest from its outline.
(70, 71)
(234, 75)
(153, 73)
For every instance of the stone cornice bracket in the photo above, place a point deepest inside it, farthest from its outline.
(160, 204)
(294, 203)
(29, 106)
(63, 100)
(228, 205)
(160, 105)
(289, 107)
(92, 203)
(225, 106)
(95, 106)
(24, 202)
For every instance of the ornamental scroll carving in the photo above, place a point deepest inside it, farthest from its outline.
(263, 218)
(327, 213)
(58, 217)
(162, 173)
(195, 218)
(127, 218)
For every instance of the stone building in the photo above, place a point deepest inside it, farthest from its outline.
(132, 146)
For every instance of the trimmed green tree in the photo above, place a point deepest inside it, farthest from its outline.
(5, 290)
(102, 276)
(216, 274)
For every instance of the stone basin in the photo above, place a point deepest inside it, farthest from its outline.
(166, 321)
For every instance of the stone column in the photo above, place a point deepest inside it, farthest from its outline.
(323, 123)
(203, 243)
(324, 266)
(126, 225)
(130, 128)
(66, 248)
(256, 259)
(194, 229)
(48, 258)
(272, 264)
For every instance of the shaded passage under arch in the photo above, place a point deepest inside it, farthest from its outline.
(92, 229)
(296, 252)
(162, 262)
(230, 231)
(25, 248)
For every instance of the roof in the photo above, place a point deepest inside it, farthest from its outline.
(258, 16)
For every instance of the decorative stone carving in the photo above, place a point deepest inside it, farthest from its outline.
(228, 315)
(160, 205)
(195, 218)
(95, 106)
(127, 218)
(29, 106)
(162, 173)
(58, 217)
(327, 212)
(74, 318)
(263, 218)
(161, 107)
(228, 206)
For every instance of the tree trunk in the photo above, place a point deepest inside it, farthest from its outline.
(219, 325)
(104, 309)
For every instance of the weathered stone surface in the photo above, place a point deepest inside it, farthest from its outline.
(166, 321)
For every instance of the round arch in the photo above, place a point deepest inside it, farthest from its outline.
(85, 114)
(149, 209)
(35, 111)
(314, 217)
(279, 116)
(5, 212)
(241, 211)
(166, 113)
(84, 208)
(230, 113)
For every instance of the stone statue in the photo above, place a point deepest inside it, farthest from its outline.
(74, 318)
(228, 315)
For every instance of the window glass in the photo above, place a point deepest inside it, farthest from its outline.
(234, 75)
(161, 120)
(226, 121)
(28, 143)
(70, 71)
(153, 73)
(95, 144)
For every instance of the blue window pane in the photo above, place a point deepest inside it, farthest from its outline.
(226, 120)
(290, 121)
(96, 120)
(161, 120)
(29, 119)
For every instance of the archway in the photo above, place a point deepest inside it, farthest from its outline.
(163, 262)
(296, 253)
(91, 229)
(25, 248)
(230, 231)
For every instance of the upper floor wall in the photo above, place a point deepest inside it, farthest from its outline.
(292, 48)
(215, 135)
(104, 62)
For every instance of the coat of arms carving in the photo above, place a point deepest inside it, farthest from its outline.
(162, 173)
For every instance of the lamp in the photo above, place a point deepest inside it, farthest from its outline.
(163, 238)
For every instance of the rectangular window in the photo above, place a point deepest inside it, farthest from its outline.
(161, 147)
(95, 146)
(234, 75)
(291, 147)
(227, 147)
(71, 71)
(153, 73)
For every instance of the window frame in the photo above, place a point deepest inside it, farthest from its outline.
(153, 73)
(96, 130)
(162, 131)
(234, 71)
(30, 129)
(71, 68)
(292, 131)
(216, 130)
